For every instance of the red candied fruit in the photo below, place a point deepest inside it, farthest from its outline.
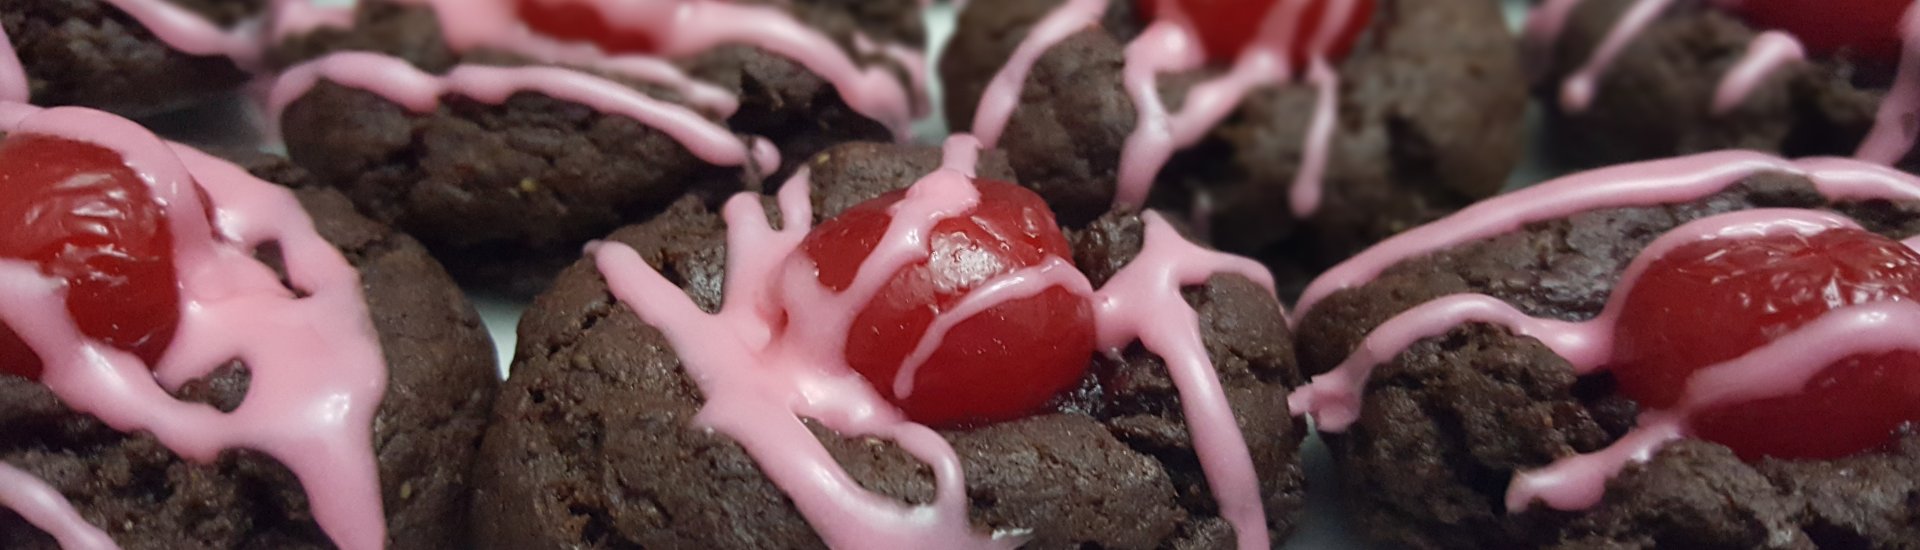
(82, 215)
(1870, 29)
(581, 20)
(1226, 27)
(1709, 302)
(1002, 364)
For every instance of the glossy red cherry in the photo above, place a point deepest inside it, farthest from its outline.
(1869, 28)
(1712, 301)
(581, 20)
(1002, 364)
(1226, 27)
(79, 212)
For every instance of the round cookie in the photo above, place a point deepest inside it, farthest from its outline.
(440, 382)
(1427, 118)
(505, 187)
(1448, 432)
(598, 439)
(103, 53)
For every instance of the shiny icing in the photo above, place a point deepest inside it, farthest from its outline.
(1779, 368)
(402, 83)
(680, 29)
(317, 372)
(774, 353)
(13, 77)
(1170, 45)
(1895, 129)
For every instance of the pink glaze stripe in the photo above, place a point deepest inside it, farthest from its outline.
(1018, 285)
(683, 29)
(775, 353)
(317, 370)
(1307, 184)
(1003, 93)
(1898, 124)
(47, 509)
(1143, 302)
(1766, 55)
(401, 82)
(190, 33)
(1780, 368)
(1655, 182)
(1171, 45)
(1576, 94)
(13, 77)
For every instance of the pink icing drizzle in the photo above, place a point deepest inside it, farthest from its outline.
(1895, 129)
(46, 508)
(1655, 182)
(1767, 53)
(402, 83)
(775, 353)
(1898, 124)
(679, 28)
(1577, 92)
(317, 370)
(190, 33)
(1171, 45)
(1779, 368)
(13, 77)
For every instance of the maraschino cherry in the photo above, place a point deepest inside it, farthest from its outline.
(1712, 301)
(1227, 27)
(80, 213)
(1004, 363)
(581, 20)
(1870, 29)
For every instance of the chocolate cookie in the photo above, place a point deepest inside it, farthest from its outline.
(1697, 78)
(1452, 439)
(506, 187)
(104, 54)
(600, 437)
(1426, 118)
(439, 382)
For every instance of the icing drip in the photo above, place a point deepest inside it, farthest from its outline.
(1143, 302)
(13, 77)
(679, 29)
(1780, 368)
(774, 353)
(190, 33)
(401, 82)
(47, 509)
(1768, 52)
(317, 373)
(1576, 94)
(1172, 45)
(1898, 124)
(1894, 132)
(1656, 182)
